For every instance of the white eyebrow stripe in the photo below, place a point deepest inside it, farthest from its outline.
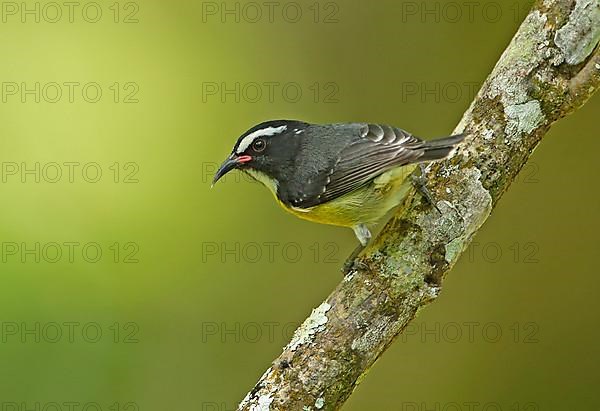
(269, 131)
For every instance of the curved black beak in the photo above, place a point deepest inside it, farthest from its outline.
(229, 164)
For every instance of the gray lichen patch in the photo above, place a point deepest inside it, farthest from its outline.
(580, 35)
(526, 53)
(449, 224)
(370, 338)
(474, 208)
(264, 403)
(523, 118)
(454, 248)
(520, 58)
(518, 109)
(314, 324)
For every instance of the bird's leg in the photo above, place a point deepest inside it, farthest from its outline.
(349, 264)
(364, 235)
(420, 183)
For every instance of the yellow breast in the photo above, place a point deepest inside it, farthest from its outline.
(366, 205)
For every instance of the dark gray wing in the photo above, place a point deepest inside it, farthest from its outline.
(380, 148)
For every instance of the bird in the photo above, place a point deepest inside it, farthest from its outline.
(342, 174)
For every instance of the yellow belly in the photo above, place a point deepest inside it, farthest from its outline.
(363, 206)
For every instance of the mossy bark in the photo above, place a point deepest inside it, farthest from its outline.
(550, 68)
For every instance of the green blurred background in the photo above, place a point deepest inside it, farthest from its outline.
(197, 290)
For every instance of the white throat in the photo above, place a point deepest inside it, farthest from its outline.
(267, 181)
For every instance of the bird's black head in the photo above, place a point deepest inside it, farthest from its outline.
(268, 148)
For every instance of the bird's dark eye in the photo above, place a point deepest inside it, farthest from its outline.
(259, 145)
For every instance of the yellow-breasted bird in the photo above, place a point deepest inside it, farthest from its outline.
(347, 174)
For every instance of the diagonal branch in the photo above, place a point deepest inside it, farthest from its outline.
(550, 68)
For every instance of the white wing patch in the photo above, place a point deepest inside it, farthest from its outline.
(269, 131)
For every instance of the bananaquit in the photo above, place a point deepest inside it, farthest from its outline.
(348, 175)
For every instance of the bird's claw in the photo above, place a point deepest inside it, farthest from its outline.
(420, 183)
(352, 263)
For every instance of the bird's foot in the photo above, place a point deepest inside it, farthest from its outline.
(364, 235)
(420, 183)
(352, 263)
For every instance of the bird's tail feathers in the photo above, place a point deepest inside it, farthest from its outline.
(442, 147)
